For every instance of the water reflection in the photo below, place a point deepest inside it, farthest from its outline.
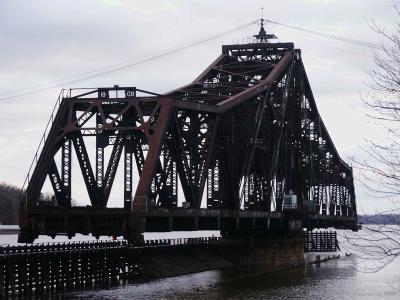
(335, 279)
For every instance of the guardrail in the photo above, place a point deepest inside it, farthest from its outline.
(102, 244)
(180, 241)
(60, 247)
(42, 142)
(323, 241)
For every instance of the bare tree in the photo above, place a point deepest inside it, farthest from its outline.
(380, 173)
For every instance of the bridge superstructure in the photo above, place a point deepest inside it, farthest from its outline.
(243, 143)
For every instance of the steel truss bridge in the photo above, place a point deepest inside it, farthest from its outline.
(243, 145)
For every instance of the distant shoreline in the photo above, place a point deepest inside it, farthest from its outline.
(380, 219)
(9, 229)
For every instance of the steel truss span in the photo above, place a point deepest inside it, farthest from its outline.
(243, 144)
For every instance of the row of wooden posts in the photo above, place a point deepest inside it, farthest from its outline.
(50, 267)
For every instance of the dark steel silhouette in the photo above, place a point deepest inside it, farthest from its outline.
(244, 138)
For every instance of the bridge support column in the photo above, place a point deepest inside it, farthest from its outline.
(268, 255)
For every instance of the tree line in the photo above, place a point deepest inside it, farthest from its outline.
(10, 198)
(9, 203)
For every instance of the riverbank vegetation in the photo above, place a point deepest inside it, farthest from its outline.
(9, 203)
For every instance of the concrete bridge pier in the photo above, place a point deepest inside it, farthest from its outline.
(266, 254)
(280, 245)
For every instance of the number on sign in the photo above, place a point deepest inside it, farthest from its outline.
(103, 94)
(130, 93)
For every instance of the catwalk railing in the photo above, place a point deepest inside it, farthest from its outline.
(63, 94)
(324, 241)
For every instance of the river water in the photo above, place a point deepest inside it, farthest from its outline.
(335, 279)
(343, 278)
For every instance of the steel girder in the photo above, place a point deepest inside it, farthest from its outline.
(247, 130)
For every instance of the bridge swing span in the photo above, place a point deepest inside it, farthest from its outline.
(244, 141)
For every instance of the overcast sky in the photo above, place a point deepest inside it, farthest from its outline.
(43, 42)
